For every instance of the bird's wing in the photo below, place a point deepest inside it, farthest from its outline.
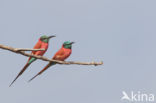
(43, 46)
(37, 46)
(59, 55)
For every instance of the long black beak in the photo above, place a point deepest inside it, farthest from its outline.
(72, 42)
(51, 36)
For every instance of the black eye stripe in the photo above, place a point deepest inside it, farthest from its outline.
(43, 38)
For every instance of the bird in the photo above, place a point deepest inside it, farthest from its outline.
(42, 43)
(63, 53)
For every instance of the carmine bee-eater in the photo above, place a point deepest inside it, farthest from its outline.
(42, 43)
(61, 55)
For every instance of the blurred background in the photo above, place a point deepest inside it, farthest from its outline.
(121, 33)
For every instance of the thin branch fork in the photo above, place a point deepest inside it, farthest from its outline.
(21, 51)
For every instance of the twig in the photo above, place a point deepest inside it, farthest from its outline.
(27, 49)
(21, 51)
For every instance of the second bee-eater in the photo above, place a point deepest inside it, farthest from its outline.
(42, 43)
(61, 55)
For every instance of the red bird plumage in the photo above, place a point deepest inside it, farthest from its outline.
(41, 44)
(61, 55)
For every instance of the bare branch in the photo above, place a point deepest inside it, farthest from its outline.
(27, 49)
(21, 51)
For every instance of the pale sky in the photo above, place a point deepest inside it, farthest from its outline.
(121, 33)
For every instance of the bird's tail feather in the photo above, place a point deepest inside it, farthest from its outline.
(20, 73)
(24, 68)
(45, 68)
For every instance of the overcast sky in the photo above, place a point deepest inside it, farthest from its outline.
(121, 33)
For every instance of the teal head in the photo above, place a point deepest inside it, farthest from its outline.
(45, 38)
(68, 44)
